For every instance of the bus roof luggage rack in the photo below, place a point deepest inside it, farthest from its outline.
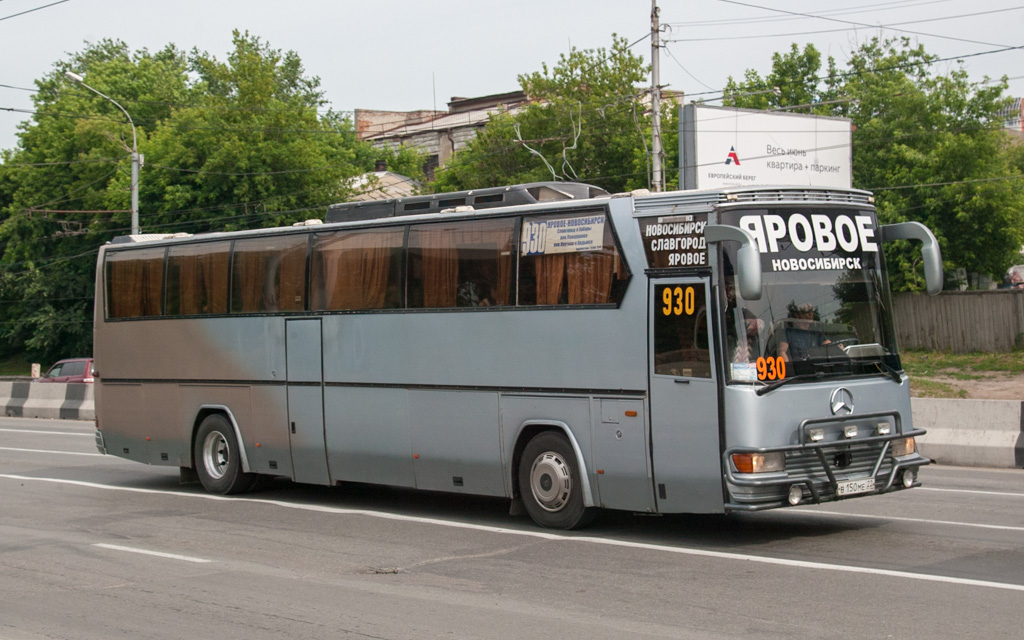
(146, 237)
(531, 193)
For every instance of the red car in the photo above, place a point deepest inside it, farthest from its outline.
(70, 370)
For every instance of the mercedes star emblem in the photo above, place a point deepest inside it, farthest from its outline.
(841, 402)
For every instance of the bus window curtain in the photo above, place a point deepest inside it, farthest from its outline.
(353, 270)
(590, 277)
(498, 235)
(269, 275)
(550, 272)
(440, 268)
(202, 279)
(249, 276)
(135, 284)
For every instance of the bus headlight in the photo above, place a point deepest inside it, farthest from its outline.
(903, 447)
(759, 462)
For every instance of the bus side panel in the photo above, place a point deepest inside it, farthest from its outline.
(140, 422)
(269, 429)
(577, 349)
(518, 410)
(119, 414)
(456, 441)
(256, 427)
(620, 450)
(238, 349)
(368, 438)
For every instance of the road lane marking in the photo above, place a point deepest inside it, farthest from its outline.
(900, 519)
(50, 433)
(159, 554)
(975, 491)
(543, 535)
(63, 453)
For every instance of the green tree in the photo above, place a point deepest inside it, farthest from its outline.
(926, 143)
(237, 144)
(73, 161)
(585, 121)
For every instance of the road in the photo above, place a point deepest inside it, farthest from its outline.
(94, 546)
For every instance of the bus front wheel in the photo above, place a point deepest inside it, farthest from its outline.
(550, 483)
(218, 463)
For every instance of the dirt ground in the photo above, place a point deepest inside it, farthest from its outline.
(990, 387)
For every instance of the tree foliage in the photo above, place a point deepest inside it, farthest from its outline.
(926, 142)
(585, 121)
(233, 144)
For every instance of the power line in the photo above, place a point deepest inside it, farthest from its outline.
(15, 15)
(895, 67)
(873, 26)
(886, 6)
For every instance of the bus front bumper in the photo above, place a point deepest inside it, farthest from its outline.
(823, 472)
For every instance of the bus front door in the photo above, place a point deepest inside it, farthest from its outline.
(306, 401)
(684, 399)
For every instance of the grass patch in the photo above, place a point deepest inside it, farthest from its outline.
(962, 366)
(925, 388)
(16, 365)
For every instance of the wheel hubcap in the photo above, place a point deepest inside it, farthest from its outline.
(216, 455)
(551, 481)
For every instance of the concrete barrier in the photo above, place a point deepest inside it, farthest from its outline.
(26, 399)
(971, 433)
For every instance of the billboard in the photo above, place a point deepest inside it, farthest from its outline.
(726, 147)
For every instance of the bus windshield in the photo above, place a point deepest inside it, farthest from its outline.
(824, 309)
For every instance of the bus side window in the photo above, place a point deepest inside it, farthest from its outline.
(461, 264)
(197, 279)
(269, 274)
(135, 283)
(357, 270)
(554, 269)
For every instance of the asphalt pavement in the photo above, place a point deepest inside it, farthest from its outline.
(95, 546)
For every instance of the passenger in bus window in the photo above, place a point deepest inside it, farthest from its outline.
(803, 332)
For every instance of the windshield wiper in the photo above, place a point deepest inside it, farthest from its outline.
(778, 383)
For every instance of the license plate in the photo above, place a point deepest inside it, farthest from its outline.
(853, 487)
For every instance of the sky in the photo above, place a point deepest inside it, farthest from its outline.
(404, 56)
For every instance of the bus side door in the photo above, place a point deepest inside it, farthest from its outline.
(306, 401)
(684, 398)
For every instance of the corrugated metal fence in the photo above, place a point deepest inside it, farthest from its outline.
(961, 321)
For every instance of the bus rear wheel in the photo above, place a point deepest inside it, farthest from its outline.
(217, 459)
(550, 483)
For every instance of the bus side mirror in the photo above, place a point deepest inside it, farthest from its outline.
(930, 251)
(748, 269)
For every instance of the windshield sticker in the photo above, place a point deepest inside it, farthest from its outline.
(562, 235)
(675, 241)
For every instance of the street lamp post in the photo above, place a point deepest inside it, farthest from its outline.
(136, 158)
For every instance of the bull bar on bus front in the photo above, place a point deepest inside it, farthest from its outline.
(809, 471)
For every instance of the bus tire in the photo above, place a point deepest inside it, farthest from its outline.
(217, 460)
(550, 484)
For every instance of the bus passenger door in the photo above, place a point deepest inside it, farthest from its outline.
(306, 401)
(684, 398)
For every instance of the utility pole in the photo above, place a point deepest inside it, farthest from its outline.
(136, 156)
(657, 179)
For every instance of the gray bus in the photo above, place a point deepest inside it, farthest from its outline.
(686, 352)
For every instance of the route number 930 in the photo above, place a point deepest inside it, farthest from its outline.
(677, 301)
(771, 368)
